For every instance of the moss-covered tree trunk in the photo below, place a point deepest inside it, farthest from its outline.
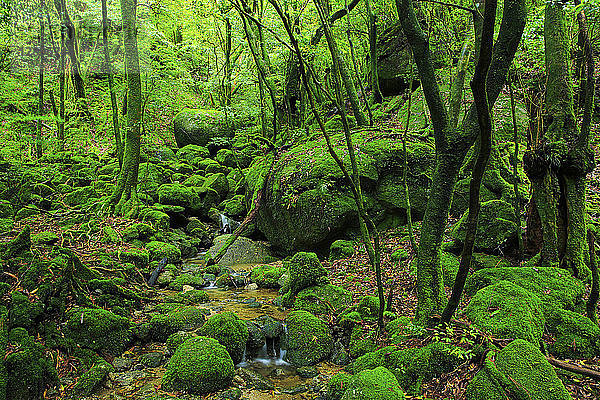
(377, 96)
(561, 158)
(125, 196)
(38, 137)
(71, 46)
(451, 144)
(111, 86)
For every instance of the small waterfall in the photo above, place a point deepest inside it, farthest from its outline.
(211, 285)
(227, 225)
(270, 354)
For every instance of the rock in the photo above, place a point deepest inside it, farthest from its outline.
(190, 152)
(81, 196)
(495, 227)
(519, 368)
(122, 364)
(368, 307)
(159, 250)
(176, 339)
(378, 383)
(182, 280)
(305, 271)
(256, 338)
(269, 326)
(577, 337)
(267, 276)
(554, 286)
(47, 238)
(234, 207)
(180, 319)
(393, 61)
(307, 205)
(217, 182)
(92, 379)
(230, 331)
(242, 251)
(361, 342)
(200, 365)
(481, 260)
(255, 380)
(323, 299)
(200, 126)
(158, 219)
(139, 257)
(308, 340)
(337, 385)
(151, 176)
(507, 311)
(152, 360)
(230, 394)
(252, 286)
(341, 249)
(307, 372)
(99, 330)
(179, 195)
(339, 355)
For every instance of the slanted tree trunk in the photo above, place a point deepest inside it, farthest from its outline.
(111, 88)
(562, 158)
(451, 144)
(125, 197)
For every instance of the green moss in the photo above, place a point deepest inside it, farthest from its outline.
(308, 340)
(361, 342)
(160, 250)
(554, 286)
(3, 350)
(199, 365)
(6, 224)
(139, 231)
(178, 319)
(520, 369)
(576, 336)
(218, 182)
(177, 339)
(341, 249)
(305, 270)
(6, 209)
(323, 299)
(508, 311)
(99, 330)
(399, 255)
(230, 331)
(197, 228)
(139, 257)
(24, 312)
(192, 151)
(179, 195)
(19, 246)
(411, 366)
(47, 238)
(267, 276)
(234, 207)
(199, 127)
(110, 235)
(81, 196)
(481, 260)
(186, 279)
(375, 384)
(337, 385)
(196, 296)
(368, 307)
(449, 263)
(30, 370)
(158, 219)
(92, 379)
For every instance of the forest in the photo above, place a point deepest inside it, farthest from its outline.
(299, 199)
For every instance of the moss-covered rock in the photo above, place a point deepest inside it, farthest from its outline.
(194, 281)
(6, 209)
(177, 339)
(199, 127)
(81, 196)
(192, 151)
(139, 231)
(481, 260)
(92, 379)
(267, 275)
(179, 195)
(305, 271)
(341, 249)
(158, 219)
(576, 335)
(368, 307)
(554, 286)
(230, 331)
(520, 369)
(234, 207)
(449, 263)
(508, 311)
(495, 227)
(99, 330)
(374, 384)
(24, 312)
(308, 340)
(219, 183)
(178, 319)
(159, 250)
(337, 385)
(46, 238)
(242, 251)
(199, 365)
(323, 299)
(29, 369)
(361, 342)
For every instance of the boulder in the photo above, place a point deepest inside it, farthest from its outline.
(577, 337)
(341, 249)
(507, 311)
(99, 330)
(323, 299)
(267, 276)
(378, 383)
(199, 365)
(520, 369)
(199, 127)
(159, 250)
(230, 331)
(305, 271)
(308, 340)
(242, 251)
(180, 319)
(393, 61)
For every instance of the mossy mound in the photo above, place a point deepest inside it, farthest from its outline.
(337, 385)
(99, 330)
(234, 207)
(267, 276)
(179, 319)
(481, 260)
(323, 299)
(217, 182)
(361, 342)
(230, 331)
(187, 279)
(179, 195)
(305, 271)
(554, 286)
(520, 369)
(139, 257)
(199, 127)
(199, 365)
(308, 340)
(242, 251)
(192, 151)
(139, 231)
(507, 311)
(341, 249)
(495, 227)
(411, 366)
(29, 369)
(368, 307)
(97, 370)
(576, 335)
(373, 384)
(160, 250)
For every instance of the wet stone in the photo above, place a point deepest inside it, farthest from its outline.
(296, 389)
(152, 360)
(126, 378)
(122, 364)
(254, 379)
(230, 394)
(307, 372)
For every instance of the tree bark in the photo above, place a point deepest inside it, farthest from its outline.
(377, 96)
(71, 46)
(38, 137)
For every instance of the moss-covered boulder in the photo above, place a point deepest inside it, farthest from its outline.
(200, 126)
(267, 275)
(337, 385)
(507, 311)
(150, 177)
(323, 299)
(307, 204)
(554, 286)
(29, 368)
(178, 319)
(520, 369)
(218, 182)
(341, 249)
(373, 384)
(199, 365)
(159, 250)
(192, 280)
(305, 271)
(81, 196)
(179, 195)
(308, 339)
(24, 312)
(242, 251)
(158, 219)
(97, 369)
(576, 335)
(495, 227)
(139, 231)
(99, 330)
(234, 207)
(230, 331)
(482, 260)
(190, 152)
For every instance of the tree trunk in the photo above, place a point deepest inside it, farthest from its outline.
(125, 197)
(111, 88)
(38, 137)
(377, 96)
(71, 46)
(61, 88)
